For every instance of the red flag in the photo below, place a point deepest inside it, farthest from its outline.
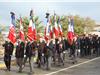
(60, 28)
(21, 33)
(70, 34)
(11, 35)
(56, 32)
(45, 37)
(51, 32)
(47, 30)
(30, 31)
(34, 32)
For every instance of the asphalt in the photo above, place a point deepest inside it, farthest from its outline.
(90, 68)
(80, 70)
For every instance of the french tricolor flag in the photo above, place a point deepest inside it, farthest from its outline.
(21, 33)
(56, 31)
(34, 32)
(60, 28)
(30, 27)
(51, 32)
(30, 31)
(47, 30)
(11, 35)
(70, 34)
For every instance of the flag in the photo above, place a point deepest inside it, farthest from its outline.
(30, 27)
(56, 32)
(11, 35)
(70, 34)
(30, 31)
(47, 30)
(51, 32)
(60, 28)
(34, 32)
(21, 33)
(45, 37)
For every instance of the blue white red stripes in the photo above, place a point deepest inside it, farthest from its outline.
(56, 31)
(21, 33)
(12, 35)
(70, 34)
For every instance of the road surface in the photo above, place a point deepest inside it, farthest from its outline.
(83, 67)
(89, 68)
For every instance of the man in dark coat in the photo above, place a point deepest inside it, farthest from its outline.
(29, 55)
(19, 54)
(52, 46)
(47, 55)
(8, 53)
(40, 60)
(82, 46)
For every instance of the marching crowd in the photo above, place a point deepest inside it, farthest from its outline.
(43, 54)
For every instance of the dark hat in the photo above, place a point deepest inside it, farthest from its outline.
(47, 15)
(31, 13)
(12, 13)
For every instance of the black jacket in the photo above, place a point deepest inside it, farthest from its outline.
(20, 50)
(28, 52)
(8, 48)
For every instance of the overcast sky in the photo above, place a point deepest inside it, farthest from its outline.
(61, 7)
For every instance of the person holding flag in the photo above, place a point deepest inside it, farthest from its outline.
(19, 53)
(9, 45)
(71, 39)
(29, 47)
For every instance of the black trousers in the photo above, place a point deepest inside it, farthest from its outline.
(7, 60)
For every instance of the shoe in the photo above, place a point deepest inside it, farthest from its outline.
(23, 66)
(8, 69)
(47, 68)
(20, 71)
(31, 72)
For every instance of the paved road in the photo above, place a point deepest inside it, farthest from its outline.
(90, 68)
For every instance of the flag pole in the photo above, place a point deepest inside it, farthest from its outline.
(53, 27)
